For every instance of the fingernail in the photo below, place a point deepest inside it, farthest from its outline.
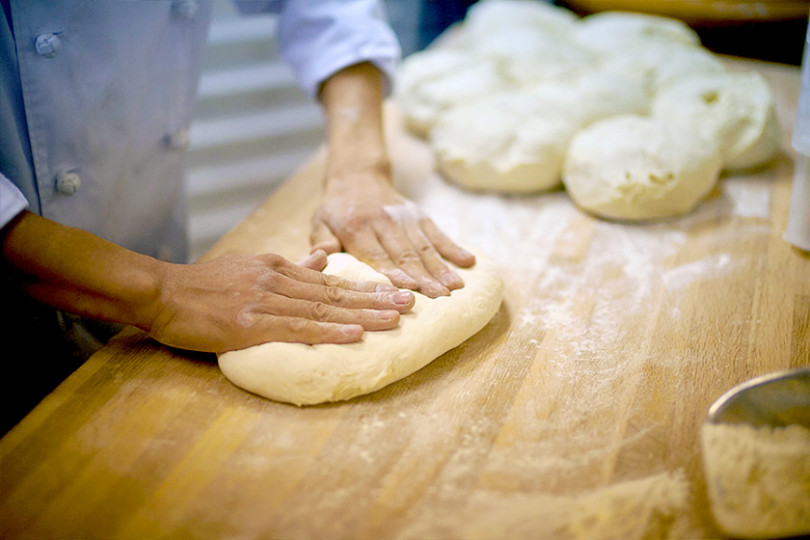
(434, 289)
(352, 330)
(452, 281)
(386, 288)
(405, 279)
(401, 298)
(388, 315)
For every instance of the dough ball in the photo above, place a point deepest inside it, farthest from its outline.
(530, 39)
(306, 375)
(659, 65)
(501, 17)
(590, 95)
(555, 60)
(516, 141)
(431, 81)
(735, 109)
(610, 32)
(636, 168)
(502, 143)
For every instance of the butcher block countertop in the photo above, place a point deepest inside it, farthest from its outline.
(574, 414)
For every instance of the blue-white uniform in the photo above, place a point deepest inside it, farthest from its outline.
(96, 99)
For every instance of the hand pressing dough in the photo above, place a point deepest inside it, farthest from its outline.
(310, 374)
(636, 168)
(736, 109)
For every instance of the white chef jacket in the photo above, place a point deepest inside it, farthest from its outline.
(96, 99)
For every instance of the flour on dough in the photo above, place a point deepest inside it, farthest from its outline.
(501, 17)
(634, 168)
(555, 60)
(735, 108)
(516, 141)
(429, 82)
(310, 374)
(489, 145)
(658, 65)
(612, 32)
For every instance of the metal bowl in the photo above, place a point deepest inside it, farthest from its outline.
(756, 457)
(778, 399)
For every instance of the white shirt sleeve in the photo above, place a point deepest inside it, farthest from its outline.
(320, 37)
(12, 201)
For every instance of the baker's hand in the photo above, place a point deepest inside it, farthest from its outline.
(236, 301)
(373, 222)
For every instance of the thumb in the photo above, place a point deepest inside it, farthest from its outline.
(316, 260)
(321, 237)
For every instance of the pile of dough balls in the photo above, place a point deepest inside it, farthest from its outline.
(628, 111)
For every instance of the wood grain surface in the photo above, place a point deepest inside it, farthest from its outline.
(574, 414)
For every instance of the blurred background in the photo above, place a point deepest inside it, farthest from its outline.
(254, 127)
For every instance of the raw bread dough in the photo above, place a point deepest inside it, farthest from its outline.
(516, 141)
(531, 41)
(612, 32)
(488, 17)
(311, 374)
(736, 109)
(658, 65)
(488, 145)
(431, 81)
(590, 95)
(635, 168)
(503, 96)
(555, 60)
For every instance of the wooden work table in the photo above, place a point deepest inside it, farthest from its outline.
(574, 414)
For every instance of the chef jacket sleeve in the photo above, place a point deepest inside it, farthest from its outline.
(12, 201)
(318, 38)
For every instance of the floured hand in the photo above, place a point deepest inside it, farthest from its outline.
(236, 301)
(390, 233)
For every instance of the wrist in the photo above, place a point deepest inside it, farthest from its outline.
(143, 295)
(364, 169)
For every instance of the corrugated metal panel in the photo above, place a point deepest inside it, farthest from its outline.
(253, 126)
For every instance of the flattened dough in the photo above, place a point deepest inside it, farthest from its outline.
(310, 374)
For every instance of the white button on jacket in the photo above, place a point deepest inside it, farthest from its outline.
(48, 44)
(68, 183)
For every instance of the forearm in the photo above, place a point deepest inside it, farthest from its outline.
(79, 272)
(362, 212)
(352, 100)
(231, 302)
